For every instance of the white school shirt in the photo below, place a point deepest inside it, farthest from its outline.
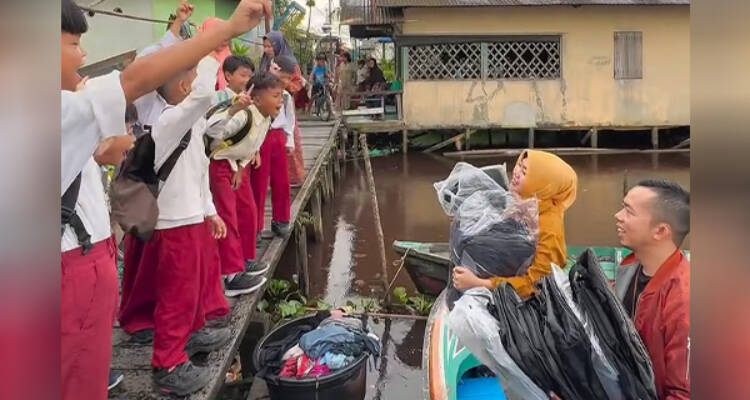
(96, 112)
(286, 119)
(91, 207)
(242, 152)
(150, 105)
(185, 198)
(88, 116)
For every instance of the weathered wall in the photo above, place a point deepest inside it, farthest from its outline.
(586, 95)
(109, 36)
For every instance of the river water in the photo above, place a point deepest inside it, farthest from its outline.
(347, 262)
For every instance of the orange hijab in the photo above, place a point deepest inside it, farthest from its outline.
(553, 182)
(222, 53)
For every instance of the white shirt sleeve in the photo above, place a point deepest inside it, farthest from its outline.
(230, 125)
(96, 112)
(290, 120)
(208, 202)
(175, 121)
(167, 40)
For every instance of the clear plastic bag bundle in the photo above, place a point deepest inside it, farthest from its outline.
(493, 233)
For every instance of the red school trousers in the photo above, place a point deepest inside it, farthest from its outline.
(88, 303)
(237, 209)
(172, 287)
(274, 171)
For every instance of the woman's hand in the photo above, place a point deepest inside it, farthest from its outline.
(464, 279)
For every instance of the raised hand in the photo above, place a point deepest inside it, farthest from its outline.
(184, 12)
(247, 15)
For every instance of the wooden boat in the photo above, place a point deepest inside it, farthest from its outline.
(428, 264)
(445, 362)
(448, 365)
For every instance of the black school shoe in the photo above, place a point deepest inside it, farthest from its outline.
(255, 267)
(207, 340)
(115, 378)
(144, 337)
(203, 341)
(181, 380)
(242, 283)
(281, 228)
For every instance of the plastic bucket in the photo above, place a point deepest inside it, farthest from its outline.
(349, 382)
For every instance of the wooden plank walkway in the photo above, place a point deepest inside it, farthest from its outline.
(134, 361)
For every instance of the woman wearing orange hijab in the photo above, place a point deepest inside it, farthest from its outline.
(221, 52)
(553, 182)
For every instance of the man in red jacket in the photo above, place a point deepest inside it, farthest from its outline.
(654, 282)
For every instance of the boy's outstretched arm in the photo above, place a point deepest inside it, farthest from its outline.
(148, 73)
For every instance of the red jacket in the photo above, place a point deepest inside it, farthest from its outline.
(662, 318)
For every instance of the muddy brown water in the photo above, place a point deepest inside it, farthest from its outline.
(346, 263)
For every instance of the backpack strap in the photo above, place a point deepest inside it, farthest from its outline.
(242, 132)
(70, 217)
(221, 106)
(234, 139)
(168, 165)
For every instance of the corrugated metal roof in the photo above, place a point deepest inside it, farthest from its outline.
(364, 12)
(489, 3)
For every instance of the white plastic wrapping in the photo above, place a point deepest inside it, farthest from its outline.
(479, 332)
(493, 232)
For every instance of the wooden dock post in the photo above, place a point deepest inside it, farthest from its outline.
(303, 271)
(404, 132)
(594, 138)
(376, 214)
(531, 138)
(317, 215)
(655, 138)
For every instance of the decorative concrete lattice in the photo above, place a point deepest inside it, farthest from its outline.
(448, 61)
(503, 60)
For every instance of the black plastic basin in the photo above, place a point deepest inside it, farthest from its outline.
(349, 382)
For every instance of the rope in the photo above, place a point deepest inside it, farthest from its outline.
(128, 16)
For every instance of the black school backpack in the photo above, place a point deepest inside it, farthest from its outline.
(135, 189)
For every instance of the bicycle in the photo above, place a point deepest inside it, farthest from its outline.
(322, 103)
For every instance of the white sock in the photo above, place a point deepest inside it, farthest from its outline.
(230, 277)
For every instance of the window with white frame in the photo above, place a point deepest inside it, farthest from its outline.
(502, 59)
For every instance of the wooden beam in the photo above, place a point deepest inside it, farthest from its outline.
(445, 142)
(317, 215)
(682, 144)
(376, 215)
(303, 271)
(571, 151)
(531, 138)
(404, 141)
(594, 138)
(587, 136)
(468, 139)
(655, 138)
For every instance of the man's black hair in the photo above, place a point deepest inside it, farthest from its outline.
(73, 20)
(233, 62)
(286, 64)
(347, 56)
(264, 81)
(361, 61)
(320, 57)
(672, 206)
